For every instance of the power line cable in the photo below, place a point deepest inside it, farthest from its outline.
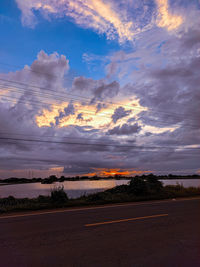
(105, 114)
(61, 99)
(88, 139)
(90, 144)
(40, 104)
(55, 76)
(112, 103)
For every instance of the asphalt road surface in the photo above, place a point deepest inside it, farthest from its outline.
(160, 233)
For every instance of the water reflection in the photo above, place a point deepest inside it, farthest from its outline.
(75, 189)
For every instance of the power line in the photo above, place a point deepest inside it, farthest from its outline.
(61, 137)
(56, 161)
(91, 144)
(58, 97)
(55, 76)
(39, 94)
(40, 104)
(33, 93)
(102, 114)
(89, 139)
(111, 103)
(45, 103)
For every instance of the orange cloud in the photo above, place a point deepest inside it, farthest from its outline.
(56, 169)
(165, 18)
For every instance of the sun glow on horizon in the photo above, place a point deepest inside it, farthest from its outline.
(106, 172)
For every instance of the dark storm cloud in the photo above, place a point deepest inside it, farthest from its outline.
(191, 39)
(80, 117)
(81, 83)
(86, 129)
(131, 120)
(100, 106)
(69, 110)
(107, 90)
(13, 120)
(173, 95)
(95, 89)
(182, 136)
(125, 129)
(119, 113)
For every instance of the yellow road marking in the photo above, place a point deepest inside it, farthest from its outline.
(126, 220)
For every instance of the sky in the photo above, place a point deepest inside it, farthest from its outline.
(94, 87)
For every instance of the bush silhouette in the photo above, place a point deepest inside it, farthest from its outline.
(138, 186)
(154, 185)
(146, 185)
(58, 194)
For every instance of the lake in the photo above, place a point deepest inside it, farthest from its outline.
(76, 189)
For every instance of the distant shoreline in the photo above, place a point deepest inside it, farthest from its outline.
(53, 179)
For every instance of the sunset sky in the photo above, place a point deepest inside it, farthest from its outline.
(99, 87)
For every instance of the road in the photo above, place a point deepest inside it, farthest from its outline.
(157, 233)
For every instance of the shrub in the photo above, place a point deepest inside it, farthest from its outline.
(174, 188)
(118, 189)
(154, 185)
(10, 201)
(138, 186)
(42, 198)
(96, 197)
(58, 194)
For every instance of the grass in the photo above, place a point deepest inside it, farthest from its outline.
(137, 190)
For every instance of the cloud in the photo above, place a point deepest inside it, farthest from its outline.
(45, 73)
(122, 20)
(69, 110)
(103, 17)
(106, 90)
(191, 39)
(100, 106)
(165, 18)
(50, 67)
(175, 91)
(26, 93)
(25, 117)
(80, 117)
(160, 72)
(125, 129)
(119, 113)
(131, 119)
(95, 89)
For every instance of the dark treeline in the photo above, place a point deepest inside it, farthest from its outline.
(52, 178)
